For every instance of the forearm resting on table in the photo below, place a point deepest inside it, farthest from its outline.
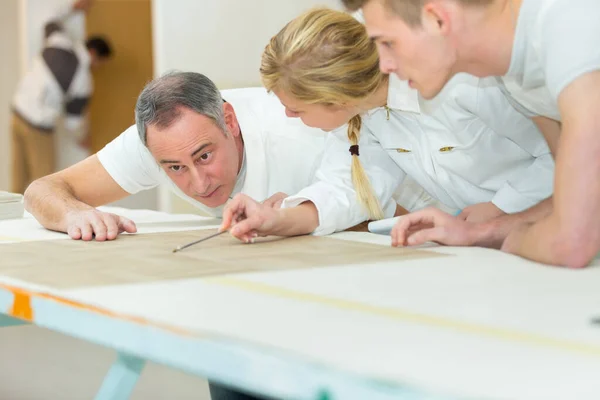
(492, 233)
(49, 199)
(571, 235)
(300, 220)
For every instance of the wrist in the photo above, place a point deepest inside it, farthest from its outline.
(278, 226)
(489, 233)
(72, 209)
(300, 220)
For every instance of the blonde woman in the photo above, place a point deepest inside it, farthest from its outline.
(468, 147)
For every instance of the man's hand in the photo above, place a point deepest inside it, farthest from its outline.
(433, 225)
(246, 218)
(480, 212)
(85, 142)
(87, 224)
(276, 200)
(82, 5)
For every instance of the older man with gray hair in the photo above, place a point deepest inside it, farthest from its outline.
(205, 148)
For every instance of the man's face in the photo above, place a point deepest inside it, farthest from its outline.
(198, 156)
(319, 116)
(421, 55)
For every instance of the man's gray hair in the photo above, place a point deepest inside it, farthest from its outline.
(161, 101)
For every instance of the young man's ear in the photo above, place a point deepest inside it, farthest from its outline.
(436, 16)
(231, 121)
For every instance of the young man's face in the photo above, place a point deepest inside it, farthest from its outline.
(423, 55)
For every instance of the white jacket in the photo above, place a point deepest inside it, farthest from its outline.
(466, 146)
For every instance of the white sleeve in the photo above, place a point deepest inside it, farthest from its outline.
(536, 182)
(55, 22)
(129, 162)
(333, 193)
(569, 42)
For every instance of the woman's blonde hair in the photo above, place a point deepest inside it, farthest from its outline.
(326, 57)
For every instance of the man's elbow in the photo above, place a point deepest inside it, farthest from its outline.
(35, 191)
(576, 248)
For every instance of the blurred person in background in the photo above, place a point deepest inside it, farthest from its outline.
(58, 82)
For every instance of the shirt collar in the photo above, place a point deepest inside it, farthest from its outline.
(401, 96)
(241, 177)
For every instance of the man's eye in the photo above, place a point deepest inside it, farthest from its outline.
(175, 168)
(205, 156)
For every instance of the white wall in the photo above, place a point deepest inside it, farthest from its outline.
(222, 39)
(9, 48)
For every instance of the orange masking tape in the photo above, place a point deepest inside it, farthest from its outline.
(22, 308)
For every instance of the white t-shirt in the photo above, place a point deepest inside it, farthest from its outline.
(281, 154)
(556, 41)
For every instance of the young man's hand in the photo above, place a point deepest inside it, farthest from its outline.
(480, 212)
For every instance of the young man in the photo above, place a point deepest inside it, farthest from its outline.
(546, 54)
(58, 82)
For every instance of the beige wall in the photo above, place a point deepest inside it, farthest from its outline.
(223, 39)
(9, 48)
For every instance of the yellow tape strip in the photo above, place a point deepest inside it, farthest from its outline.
(11, 239)
(408, 316)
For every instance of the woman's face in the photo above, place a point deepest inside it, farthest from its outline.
(326, 117)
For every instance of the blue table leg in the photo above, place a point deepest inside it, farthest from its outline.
(6, 321)
(121, 378)
(119, 381)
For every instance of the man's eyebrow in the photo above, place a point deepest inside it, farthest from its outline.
(198, 150)
(169, 162)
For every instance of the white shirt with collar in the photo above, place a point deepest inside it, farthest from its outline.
(465, 146)
(556, 41)
(280, 154)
